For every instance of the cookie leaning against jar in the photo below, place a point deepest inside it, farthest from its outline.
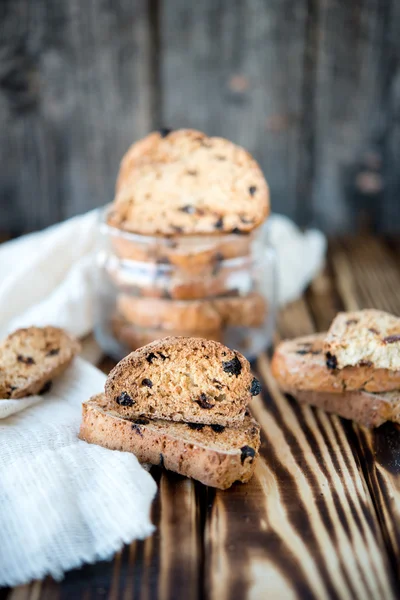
(185, 183)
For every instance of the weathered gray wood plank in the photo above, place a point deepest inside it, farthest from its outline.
(390, 93)
(348, 183)
(74, 93)
(234, 68)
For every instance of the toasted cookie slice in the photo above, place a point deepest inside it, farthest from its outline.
(301, 364)
(243, 311)
(370, 410)
(157, 313)
(207, 315)
(133, 337)
(369, 338)
(215, 455)
(30, 358)
(213, 186)
(183, 379)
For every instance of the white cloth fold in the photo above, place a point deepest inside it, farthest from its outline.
(64, 502)
(300, 256)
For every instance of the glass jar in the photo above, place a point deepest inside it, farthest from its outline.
(220, 287)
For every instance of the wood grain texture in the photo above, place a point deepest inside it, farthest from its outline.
(368, 275)
(320, 518)
(348, 179)
(305, 525)
(74, 93)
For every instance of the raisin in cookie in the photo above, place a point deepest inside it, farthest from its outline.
(30, 358)
(183, 379)
(187, 183)
(301, 364)
(215, 455)
(369, 338)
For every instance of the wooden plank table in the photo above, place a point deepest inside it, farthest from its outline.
(321, 516)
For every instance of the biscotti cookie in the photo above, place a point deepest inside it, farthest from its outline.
(301, 364)
(195, 315)
(30, 358)
(191, 254)
(183, 379)
(133, 337)
(369, 338)
(214, 455)
(183, 182)
(158, 282)
(370, 410)
(242, 311)
(158, 313)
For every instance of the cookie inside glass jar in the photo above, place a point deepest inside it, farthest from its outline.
(183, 243)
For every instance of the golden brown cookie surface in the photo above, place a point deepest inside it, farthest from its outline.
(188, 183)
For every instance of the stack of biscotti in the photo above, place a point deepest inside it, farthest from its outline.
(353, 370)
(185, 205)
(31, 358)
(181, 403)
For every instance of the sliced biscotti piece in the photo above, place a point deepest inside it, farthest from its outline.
(245, 311)
(364, 338)
(370, 410)
(212, 185)
(133, 337)
(194, 315)
(183, 379)
(158, 313)
(301, 364)
(30, 358)
(212, 454)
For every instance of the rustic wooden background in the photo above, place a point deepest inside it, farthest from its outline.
(311, 87)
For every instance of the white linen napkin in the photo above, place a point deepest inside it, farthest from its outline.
(47, 277)
(64, 502)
